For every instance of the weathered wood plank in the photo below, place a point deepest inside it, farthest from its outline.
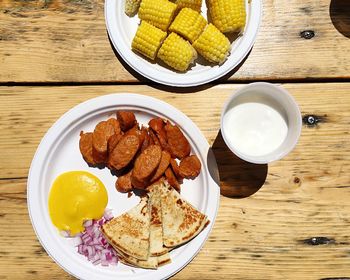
(66, 41)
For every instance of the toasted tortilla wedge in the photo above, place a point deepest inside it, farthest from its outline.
(163, 259)
(129, 233)
(156, 230)
(151, 262)
(180, 220)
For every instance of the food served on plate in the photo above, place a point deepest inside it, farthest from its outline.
(140, 155)
(187, 30)
(163, 220)
(75, 197)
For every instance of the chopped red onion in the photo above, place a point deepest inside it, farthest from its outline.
(92, 244)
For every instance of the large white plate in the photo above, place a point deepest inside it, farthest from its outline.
(59, 152)
(121, 30)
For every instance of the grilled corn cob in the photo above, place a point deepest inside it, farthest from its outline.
(177, 52)
(131, 7)
(228, 15)
(193, 4)
(148, 40)
(213, 45)
(160, 13)
(189, 24)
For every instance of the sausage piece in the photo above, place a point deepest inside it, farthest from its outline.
(178, 144)
(126, 119)
(146, 164)
(85, 146)
(163, 165)
(172, 179)
(190, 167)
(153, 137)
(100, 136)
(176, 170)
(140, 133)
(123, 183)
(157, 125)
(123, 152)
(112, 142)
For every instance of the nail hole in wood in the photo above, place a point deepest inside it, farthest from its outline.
(307, 34)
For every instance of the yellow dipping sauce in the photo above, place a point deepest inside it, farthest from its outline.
(74, 197)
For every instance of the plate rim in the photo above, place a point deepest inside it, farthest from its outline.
(181, 80)
(71, 113)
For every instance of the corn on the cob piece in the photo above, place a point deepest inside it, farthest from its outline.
(193, 4)
(189, 24)
(228, 15)
(177, 52)
(131, 7)
(148, 40)
(160, 13)
(213, 45)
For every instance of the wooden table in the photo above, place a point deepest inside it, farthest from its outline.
(293, 218)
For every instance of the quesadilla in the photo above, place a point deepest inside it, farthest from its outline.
(180, 220)
(156, 230)
(129, 233)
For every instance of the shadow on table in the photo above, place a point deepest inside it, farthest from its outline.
(142, 79)
(239, 179)
(339, 11)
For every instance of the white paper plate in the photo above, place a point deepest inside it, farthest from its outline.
(121, 30)
(59, 152)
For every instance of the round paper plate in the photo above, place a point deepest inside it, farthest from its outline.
(121, 30)
(59, 152)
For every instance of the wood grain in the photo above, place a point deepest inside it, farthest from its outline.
(296, 225)
(66, 41)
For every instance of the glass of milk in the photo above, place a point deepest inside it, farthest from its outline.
(261, 123)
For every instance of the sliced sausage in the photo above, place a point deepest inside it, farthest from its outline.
(146, 141)
(146, 164)
(153, 137)
(163, 165)
(157, 125)
(178, 144)
(126, 119)
(123, 152)
(176, 170)
(85, 146)
(100, 136)
(123, 183)
(169, 175)
(140, 133)
(190, 167)
(112, 142)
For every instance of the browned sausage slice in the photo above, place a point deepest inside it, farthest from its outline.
(123, 183)
(126, 119)
(157, 125)
(190, 167)
(85, 146)
(123, 152)
(175, 167)
(140, 133)
(163, 165)
(146, 164)
(100, 136)
(172, 179)
(153, 137)
(178, 144)
(112, 142)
